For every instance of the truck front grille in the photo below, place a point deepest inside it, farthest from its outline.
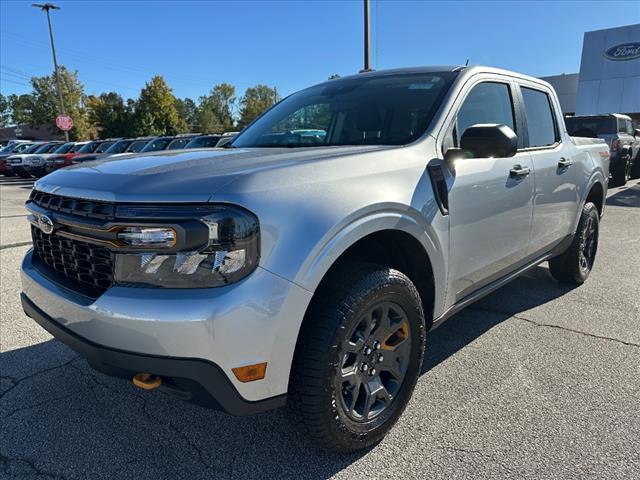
(74, 206)
(85, 268)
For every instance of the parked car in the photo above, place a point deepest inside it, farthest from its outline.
(9, 150)
(136, 145)
(174, 142)
(17, 164)
(37, 165)
(61, 160)
(203, 141)
(94, 150)
(180, 141)
(624, 142)
(308, 274)
(226, 139)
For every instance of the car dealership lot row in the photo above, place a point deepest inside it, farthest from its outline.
(536, 381)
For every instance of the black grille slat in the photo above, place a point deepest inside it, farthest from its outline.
(87, 267)
(74, 206)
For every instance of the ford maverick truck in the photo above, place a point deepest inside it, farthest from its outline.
(306, 269)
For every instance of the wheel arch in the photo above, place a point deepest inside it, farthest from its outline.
(391, 238)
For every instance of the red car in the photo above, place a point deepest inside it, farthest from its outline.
(54, 162)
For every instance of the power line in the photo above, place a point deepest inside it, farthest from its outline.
(13, 81)
(102, 61)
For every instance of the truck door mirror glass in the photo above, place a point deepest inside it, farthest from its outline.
(489, 140)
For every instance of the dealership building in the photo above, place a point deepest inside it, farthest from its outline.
(609, 78)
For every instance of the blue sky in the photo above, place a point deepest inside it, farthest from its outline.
(118, 45)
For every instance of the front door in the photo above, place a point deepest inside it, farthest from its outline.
(490, 206)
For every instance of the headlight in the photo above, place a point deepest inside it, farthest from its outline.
(230, 251)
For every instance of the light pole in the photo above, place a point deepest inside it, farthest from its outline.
(45, 8)
(367, 60)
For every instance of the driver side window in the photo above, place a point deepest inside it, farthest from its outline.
(487, 102)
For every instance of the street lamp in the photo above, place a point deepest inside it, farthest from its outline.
(45, 8)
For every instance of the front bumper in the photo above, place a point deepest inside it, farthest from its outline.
(191, 379)
(182, 333)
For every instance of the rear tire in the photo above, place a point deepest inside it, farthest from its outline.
(358, 357)
(575, 264)
(635, 168)
(620, 173)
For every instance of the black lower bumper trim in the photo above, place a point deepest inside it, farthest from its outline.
(197, 378)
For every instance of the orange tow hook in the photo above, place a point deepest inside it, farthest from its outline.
(146, 381)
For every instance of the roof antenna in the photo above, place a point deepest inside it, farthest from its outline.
(466, 63)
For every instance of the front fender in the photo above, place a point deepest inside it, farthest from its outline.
(361, 224)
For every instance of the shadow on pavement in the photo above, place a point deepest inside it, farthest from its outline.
(17, 182)
(629, 197)
(530, 290)
(60, 418)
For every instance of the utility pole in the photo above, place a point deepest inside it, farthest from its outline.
(45, 8)
(367, 60)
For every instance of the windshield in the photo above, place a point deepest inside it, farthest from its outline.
(178, 143)
(33, 148)
(103, 147)
(9, 148)
(203, 142)
(48, 148)
(88, 148)
(590, 126)
(77, 147)
(64, 148)
(137, 146)
(118, 147)
(364, 110)
(157, 144)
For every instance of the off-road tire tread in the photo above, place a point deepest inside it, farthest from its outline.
(329, 307)
(565, 268)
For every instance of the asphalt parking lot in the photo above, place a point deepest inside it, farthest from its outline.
(537, 380)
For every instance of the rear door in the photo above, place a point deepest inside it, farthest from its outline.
(555, 196)
(489, 207)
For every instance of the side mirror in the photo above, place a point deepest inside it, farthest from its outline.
(489, 140)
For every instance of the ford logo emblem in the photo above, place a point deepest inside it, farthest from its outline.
(624, 51)
(45, 224)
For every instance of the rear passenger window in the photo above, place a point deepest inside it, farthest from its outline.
(488, 102)
(540, 122)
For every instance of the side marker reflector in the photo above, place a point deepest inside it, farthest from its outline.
(250, 373)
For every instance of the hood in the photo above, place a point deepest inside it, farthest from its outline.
(180, 175)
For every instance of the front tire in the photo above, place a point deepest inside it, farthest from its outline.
(358, 357)
(575, 264)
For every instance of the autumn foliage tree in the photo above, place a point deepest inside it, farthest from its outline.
(255, 101)
(156, 112)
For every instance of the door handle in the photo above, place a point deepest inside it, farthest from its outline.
(519, 171)
(565, 162)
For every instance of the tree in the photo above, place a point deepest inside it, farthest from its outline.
(255, 101)
(21, 107)
(5, 111)
(46, 104)
(156, 112)
(186, 110)
(215, 111)
(109, 115)
(334, 76)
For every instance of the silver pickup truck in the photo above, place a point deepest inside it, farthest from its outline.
(304, 264)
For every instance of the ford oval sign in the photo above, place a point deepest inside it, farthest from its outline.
(625, 51)
(46, 224)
